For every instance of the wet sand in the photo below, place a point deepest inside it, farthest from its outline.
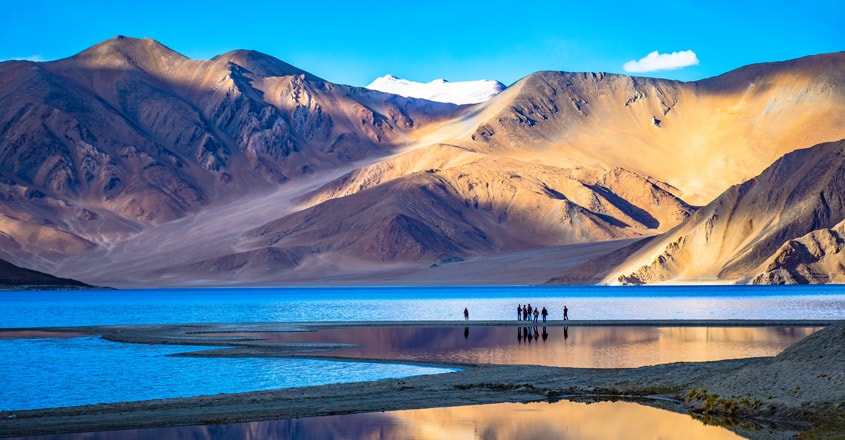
(801, 387)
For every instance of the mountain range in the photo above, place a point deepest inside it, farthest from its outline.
(131, 165)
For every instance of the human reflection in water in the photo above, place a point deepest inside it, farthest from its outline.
(525, 334)
(545, 334)
(466, 332)
(536, 333)
(565, 333)
(519, 335)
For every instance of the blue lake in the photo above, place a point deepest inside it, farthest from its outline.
(55, 372)
(48, 372)
(22, 309)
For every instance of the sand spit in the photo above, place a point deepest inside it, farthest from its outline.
(763, 398)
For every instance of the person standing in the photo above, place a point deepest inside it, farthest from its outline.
(544, 313)
(565, 313)
(518, 312)
(524, 312)
(466, 314)
(536, 314)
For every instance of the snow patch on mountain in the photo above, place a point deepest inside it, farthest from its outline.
(440, 90)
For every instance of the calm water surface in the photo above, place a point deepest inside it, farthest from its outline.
(43, 372)
(79, 308)
(569, 420)
(36, 372)
(55, 372)
(580, 347)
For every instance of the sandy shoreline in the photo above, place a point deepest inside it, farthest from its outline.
(801, 387)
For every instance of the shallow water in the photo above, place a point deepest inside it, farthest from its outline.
(23, 309)
(55, 372)
(582, 347)
(43, 372)
(569, 420)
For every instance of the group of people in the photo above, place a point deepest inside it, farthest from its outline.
(526, 313)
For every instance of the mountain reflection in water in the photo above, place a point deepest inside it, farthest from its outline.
(571, 420)
(583, 347)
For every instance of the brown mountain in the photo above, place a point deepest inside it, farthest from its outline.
(96, 147)
(816, 257)
(701, 137)
(784, 226)
(130, 164)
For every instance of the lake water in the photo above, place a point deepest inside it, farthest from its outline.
(37, 374)
(55, 372)
(80, 308)
(505, 421)
(578, 347)
(42, 370)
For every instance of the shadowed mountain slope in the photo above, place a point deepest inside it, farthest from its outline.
(14, 277)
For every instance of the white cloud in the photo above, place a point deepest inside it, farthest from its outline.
(666, 61)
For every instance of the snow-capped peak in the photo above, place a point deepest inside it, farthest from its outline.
(440, 90)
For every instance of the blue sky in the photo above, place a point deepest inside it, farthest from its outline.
(355, 42)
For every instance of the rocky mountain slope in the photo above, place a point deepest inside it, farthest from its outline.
(816, 258)
(14, 277)
(784, 226)
(128, 133)
(130, 164)
(701, 137)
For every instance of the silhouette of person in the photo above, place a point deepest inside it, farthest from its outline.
(525, 313)
(466, 314)
(536, 314)
(565, 313)
(544, 313)
(518, 312)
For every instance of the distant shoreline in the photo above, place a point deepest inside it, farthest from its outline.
(801, 386)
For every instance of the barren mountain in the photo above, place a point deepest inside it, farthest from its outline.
(818, 258)
(784, 226)
(701, 137)
(14, 277)
(130, 164)
(128, 133)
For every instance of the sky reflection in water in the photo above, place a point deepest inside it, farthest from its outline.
(54, 372)
(570, 420)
